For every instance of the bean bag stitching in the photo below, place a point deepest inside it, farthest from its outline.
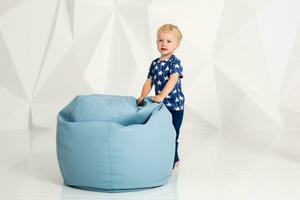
(108, 154)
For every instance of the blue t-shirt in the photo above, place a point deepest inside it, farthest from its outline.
(159, 73)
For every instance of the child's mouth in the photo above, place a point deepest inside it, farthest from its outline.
(163, 49)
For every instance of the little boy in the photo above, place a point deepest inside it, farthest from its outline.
(166, 73)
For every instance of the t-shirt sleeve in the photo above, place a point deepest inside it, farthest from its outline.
(176, 68)
(150, 73)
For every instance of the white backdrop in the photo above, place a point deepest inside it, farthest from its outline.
(240, 57)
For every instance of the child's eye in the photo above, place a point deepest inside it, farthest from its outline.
(169, 41)
(160, 40)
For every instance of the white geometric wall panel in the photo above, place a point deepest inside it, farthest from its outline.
(241, 58)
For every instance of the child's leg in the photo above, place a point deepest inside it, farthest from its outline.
(177, 117)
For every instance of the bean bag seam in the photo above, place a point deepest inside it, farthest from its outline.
(108, 154)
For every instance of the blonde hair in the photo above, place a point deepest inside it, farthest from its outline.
(171, 28)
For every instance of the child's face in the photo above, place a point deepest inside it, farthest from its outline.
(166, 43)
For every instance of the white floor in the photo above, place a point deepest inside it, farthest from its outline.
(253, 165)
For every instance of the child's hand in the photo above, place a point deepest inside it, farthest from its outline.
(140, 101)
(158, 98)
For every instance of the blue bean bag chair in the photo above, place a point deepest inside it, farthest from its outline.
(108, 143)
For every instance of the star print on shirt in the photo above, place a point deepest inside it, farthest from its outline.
(160, 72)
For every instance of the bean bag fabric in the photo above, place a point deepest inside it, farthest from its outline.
(108, 143)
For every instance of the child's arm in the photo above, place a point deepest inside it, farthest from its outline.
(145, 91)
(167, 89)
